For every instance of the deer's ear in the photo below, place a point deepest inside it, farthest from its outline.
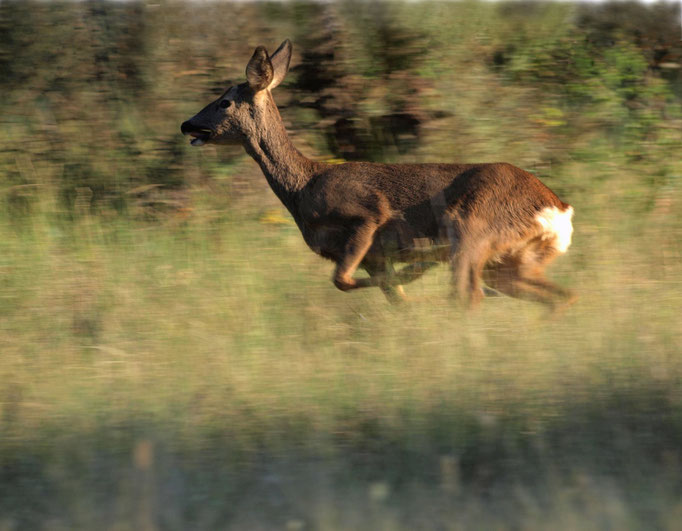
(280, 63)
(259, 71)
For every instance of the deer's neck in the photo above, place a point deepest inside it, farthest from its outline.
(286, 169)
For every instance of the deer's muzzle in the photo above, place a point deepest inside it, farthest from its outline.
(201, 134)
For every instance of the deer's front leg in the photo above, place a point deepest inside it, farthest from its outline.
(355, 250)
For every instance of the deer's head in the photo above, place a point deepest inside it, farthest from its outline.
(232, 117)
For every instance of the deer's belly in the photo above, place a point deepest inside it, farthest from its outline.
(401, 242)
(396, 240)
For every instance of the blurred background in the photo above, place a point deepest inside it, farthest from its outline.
(172, 356)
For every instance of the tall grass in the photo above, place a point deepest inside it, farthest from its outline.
(211, 366)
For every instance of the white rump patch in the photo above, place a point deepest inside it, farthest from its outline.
(557, 226)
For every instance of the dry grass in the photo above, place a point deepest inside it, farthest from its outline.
(212, 367)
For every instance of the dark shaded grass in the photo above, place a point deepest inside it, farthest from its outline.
(121, 474)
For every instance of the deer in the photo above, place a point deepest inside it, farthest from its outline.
(497, 225)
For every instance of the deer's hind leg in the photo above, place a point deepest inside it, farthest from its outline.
(521, 275)
(532, 273)
(507, 277)
(467, 262)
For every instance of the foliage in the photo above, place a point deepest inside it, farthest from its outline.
(372, 81)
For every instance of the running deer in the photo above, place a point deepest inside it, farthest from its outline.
(492, 222)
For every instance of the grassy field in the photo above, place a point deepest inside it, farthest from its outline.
(172, 356)
(204, 373)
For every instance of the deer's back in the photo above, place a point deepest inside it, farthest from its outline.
(421, 191)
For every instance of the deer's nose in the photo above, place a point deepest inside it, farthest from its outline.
(186, 127)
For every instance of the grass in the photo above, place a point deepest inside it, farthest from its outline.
(203, 373)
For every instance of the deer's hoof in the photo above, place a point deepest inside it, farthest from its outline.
(345, 284)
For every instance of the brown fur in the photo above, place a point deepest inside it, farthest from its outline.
(479, 217)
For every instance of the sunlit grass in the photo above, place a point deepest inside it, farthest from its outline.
(224, 344)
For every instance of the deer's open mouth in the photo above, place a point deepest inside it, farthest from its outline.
(201, 136)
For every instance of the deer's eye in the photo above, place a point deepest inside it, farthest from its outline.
(224, 104)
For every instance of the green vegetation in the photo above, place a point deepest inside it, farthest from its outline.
(172, 356)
